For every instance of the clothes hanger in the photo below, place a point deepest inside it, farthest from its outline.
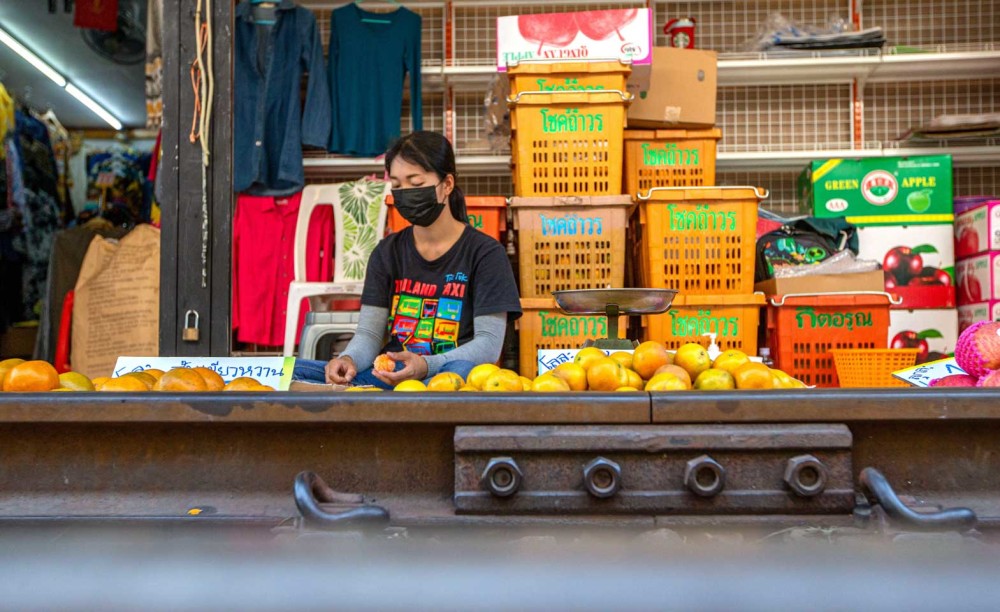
(372, 19)
(267, 5)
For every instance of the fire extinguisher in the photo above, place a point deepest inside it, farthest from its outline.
(680, 32)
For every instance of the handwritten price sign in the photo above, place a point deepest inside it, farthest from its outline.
(922, 375)
(273, 371)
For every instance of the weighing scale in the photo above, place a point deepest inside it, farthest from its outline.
(614, 303)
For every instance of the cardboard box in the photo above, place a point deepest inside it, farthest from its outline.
(823, 283)
(977, 230)
(681, 92)
(918, 260)
(934, 332)
(879, 191)
(977, 278)
(974, 313)
(614, 34)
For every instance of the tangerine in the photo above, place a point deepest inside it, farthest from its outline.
(525, 383)
(586, 357)
(74, 381)
(666, 382)
(547, 383)
(623, 358)
(693, 358)
(714, 379)
(243, 383)
(503, 380)
(445, 381)
(649, 357)
(5, 367)
(181, 379)
(730, 360)
(574, 375)
(384, 363)
(154, 372)
(146, 379)
(213, 382)
(477, 377)
(634, 380)
(753, 375)
(677, 371)
(606, 374)
(99, 382)
(410, 386)
(31, 376)
(124, 383)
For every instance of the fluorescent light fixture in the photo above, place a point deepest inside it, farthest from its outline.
(94, 106)
(31, 58)
(59, 79)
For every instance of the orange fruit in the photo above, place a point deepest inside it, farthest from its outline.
(469, 388)
(648, 357)
(753, 375)
(410, 386)
(693, 358)
(146, 379)
(31, 376)
(586, 357)
(5, 367)
(606, 374)
(626, 389)
(677, 371)
(213, 382)
(574, 375)
(730, 360)
(634, 380)
(243, 383)
(479, 374)
(99, 382)
(124, 383)
(384, 363)
(181, 379)
(548, 383)
(74, 381)
(263, 388)
(154, 372)
(525, 383)
(623, 358)
(503, 380)
(666, 382)
(714, 379)
(445, 381)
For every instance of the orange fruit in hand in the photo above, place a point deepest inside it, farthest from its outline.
(606, 374)
(574, 375)
(753, 375)
(31, 376)
(648, 357)
(693, 358)
(586, 357)
(666, 382)
(5, 367)
(677, 371)
(124, 383)
(714, 379)
(384, 363)
(730, 360)
(213, 382)
(181, 379)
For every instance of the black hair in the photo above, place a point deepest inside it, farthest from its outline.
(432, 152)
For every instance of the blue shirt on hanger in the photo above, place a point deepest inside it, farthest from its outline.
(370, 54)
(270, 126)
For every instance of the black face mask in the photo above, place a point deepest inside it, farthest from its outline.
(418, 205)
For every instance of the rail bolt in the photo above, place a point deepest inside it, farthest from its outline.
(806, 475)
(704, 476)
(502, 477)
(602, 477)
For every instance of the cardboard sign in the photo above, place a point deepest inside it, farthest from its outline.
(548, 359)
(273, 371)
(922, 375)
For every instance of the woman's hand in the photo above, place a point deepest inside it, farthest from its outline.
(340, 371)
(414, 368)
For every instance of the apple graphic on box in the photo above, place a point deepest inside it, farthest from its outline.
(598, 25)
(919, 201)
(968, 241)
(912, 339)
(554, 29)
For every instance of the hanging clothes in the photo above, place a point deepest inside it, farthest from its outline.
(154, 64)
(264, 263)
(270, 123)
(115, 178)
(368, 62)
(6, 116)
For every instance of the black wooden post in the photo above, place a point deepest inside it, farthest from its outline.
(181, 238)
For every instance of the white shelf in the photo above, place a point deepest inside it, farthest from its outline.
(784, 69)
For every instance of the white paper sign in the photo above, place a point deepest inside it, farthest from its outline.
(273, 371)
(548, 359)
(922, 375)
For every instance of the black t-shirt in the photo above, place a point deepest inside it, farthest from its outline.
(432, 304)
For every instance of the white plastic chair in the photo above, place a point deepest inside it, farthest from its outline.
(358, 229)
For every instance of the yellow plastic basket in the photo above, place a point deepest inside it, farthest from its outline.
(872, 367)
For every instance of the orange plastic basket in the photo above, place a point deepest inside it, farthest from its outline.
(872, 367)
(669, 158)
(804, 328)
(567, 143)
(544, 326)
(567, 76)
(487, 214)
(571, 242)
(734, 319)
(698, 240)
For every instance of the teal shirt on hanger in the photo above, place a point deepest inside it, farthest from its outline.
(370, 54)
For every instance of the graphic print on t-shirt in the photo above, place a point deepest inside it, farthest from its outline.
(426, 317)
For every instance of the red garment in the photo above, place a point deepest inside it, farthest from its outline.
(96, 14)
(264, 264)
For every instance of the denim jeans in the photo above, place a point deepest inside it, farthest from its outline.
(314, 371)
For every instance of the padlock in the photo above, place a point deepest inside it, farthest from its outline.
(190, 333)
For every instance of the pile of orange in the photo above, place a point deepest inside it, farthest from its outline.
(19, 376)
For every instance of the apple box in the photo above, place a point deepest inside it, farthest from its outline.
(611, 34)
(879, 191)
(974, 313)
(918, 262)
(978, 229)
(977, 278)
(933, 331)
